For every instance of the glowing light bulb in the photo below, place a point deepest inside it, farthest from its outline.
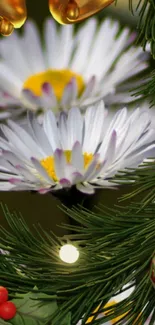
(13, 15)
(69, 253)
(72, 11)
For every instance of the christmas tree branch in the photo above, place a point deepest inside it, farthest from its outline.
(116, 248)
(141, 179)
(146, 24)
(146, 35)
(147, 89)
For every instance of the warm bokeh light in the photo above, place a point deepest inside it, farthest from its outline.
(69, 253)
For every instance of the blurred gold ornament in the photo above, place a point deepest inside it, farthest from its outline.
(6, 28)
(72, 11)
(12, 15)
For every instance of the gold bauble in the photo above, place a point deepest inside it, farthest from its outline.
(72, 11)
(12, 14)
(6, 28)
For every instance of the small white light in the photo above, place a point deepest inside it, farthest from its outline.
(69, 253)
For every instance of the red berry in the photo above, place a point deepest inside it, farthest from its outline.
(7, 310)
(3, 295)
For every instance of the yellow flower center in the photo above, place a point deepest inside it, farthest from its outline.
(49, 164)
(58, 79)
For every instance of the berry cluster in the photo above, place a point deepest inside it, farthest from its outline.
(7, 308)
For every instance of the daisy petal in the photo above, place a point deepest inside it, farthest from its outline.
(60, 162)
(41, 170)
(65, 182)
(77, 157)
(85, 189)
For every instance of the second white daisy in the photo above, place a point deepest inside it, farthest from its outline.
(84, 150)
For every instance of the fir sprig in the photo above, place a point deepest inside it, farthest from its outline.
(147, 89)
(141, 179)
(146, 35)
(146, 23)
(116, 249)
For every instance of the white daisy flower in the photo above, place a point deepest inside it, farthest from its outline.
(70, 68)
(84, 150)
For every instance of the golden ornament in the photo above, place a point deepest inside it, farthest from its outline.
(12, 15)
(72, 11)
(6, 28)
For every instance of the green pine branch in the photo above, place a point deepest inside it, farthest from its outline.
(146, 35)
(147, 89)
(146, 25)
(141, 180)
(116, 248)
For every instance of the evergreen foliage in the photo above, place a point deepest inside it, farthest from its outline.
(116, 249)
(141, 180)
(116, 245)
(146, 35)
